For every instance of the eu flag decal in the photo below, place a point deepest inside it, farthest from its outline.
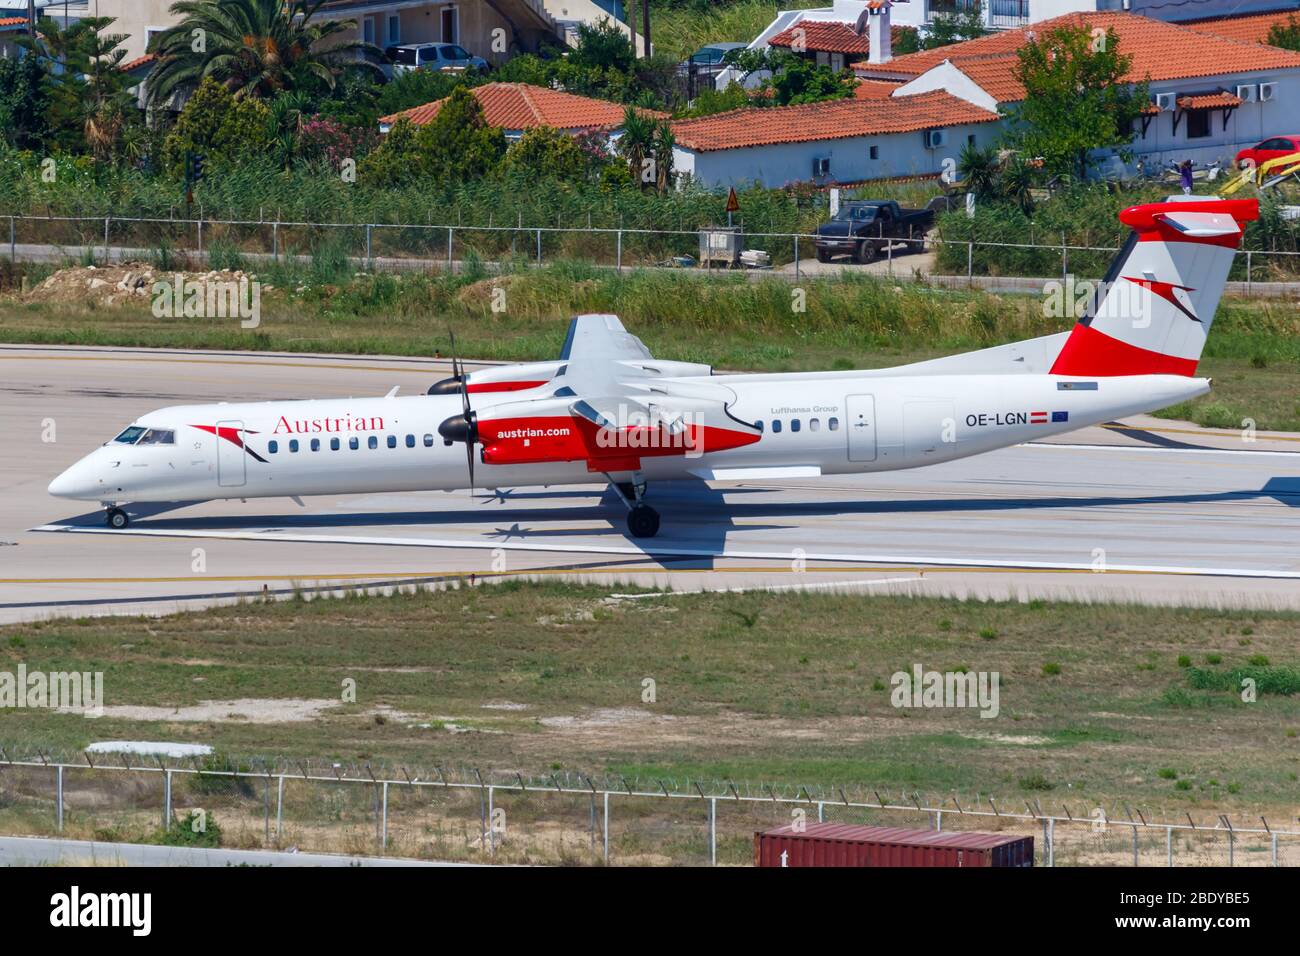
(1060, 416)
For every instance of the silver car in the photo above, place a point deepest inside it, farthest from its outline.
(433, 56)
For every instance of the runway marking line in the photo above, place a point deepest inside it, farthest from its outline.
(920, 570)
(192, 361)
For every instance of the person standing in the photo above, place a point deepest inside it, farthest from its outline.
(1185, 176)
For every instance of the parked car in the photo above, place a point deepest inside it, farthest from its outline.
(1271, 148)
(707, 60)
(862, 228)
(433, 56)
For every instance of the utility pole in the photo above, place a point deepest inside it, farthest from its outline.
(645, 26)
(31, 18)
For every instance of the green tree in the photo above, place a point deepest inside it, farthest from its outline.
(89, 100)
(255, 48)
(545, 153)
(1286, 35)
(794, 79)
(24, 98)
(456, 146)
(223, 130)
(948, 28)
(1077, 99)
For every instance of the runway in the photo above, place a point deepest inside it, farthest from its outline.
(1158, 513)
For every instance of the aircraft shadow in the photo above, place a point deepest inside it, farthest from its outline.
(695, 515)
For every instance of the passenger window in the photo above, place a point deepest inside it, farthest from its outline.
(353, 443)
(794, 424)
(410, 441)
(814, 424)
(758, 425)
(392, 441)
(293, 444)
(428, 441)
(315, 444)
(334, 444)
(776, 425)
(273, 446)
(372, 442)
(833, 424)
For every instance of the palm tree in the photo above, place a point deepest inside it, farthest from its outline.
(255, 48)
(636, 145)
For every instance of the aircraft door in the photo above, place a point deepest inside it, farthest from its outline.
(860, 411)
(232, 460)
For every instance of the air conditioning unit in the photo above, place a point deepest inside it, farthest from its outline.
(821, 166)
(1267, 91)
(1166, 101)
(1247, 93)
(934, 138)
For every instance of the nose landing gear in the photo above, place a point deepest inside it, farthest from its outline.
(116, 518)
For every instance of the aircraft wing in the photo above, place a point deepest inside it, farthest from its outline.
(610, 405)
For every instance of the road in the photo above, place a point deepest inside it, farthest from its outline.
(1166, 513)
(900, 265)
(43, 851)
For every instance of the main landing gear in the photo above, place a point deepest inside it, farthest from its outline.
(642, 520)
(116, 518)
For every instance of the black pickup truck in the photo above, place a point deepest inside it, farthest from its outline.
(862, 228)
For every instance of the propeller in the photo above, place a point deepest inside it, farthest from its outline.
(462, 427)
(449, 386)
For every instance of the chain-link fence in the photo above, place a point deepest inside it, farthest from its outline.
(565, 818)
(221, 243)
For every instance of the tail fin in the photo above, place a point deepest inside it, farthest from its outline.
(1155, 307)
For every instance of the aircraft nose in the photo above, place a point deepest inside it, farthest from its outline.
(76, 482)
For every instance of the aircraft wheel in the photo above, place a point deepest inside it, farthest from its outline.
(116, 518)
(643, 522)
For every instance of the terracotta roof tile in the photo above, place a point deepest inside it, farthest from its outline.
(1209, 101)
(1159, 50)
(523, 106)
(1251, 28)
(875, 89)
(834, 119)
(13, 21)
(827, 36)
(138, 62)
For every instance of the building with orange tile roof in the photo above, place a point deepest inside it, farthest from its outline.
(1211, 94)
(519, 107)
(839, 141)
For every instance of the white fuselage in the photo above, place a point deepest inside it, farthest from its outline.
(814, 423)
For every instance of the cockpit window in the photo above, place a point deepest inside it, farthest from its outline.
(158, 436)
(130, 435)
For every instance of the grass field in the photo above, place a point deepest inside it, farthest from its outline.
(1096, 703)
(730, 322)
(680, 28)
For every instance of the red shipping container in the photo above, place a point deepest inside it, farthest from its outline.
(841, 844)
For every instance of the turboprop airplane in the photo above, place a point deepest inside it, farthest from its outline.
(607, 411)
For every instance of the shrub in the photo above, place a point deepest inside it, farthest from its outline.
(1051, 669)
(216, 126)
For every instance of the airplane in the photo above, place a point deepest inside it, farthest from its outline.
(608, 412)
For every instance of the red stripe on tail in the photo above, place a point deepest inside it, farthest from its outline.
(1089, 352)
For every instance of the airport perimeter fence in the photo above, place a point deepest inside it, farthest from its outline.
(428, 247)
(559, 818)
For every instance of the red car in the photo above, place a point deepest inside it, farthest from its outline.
(1271, 148)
